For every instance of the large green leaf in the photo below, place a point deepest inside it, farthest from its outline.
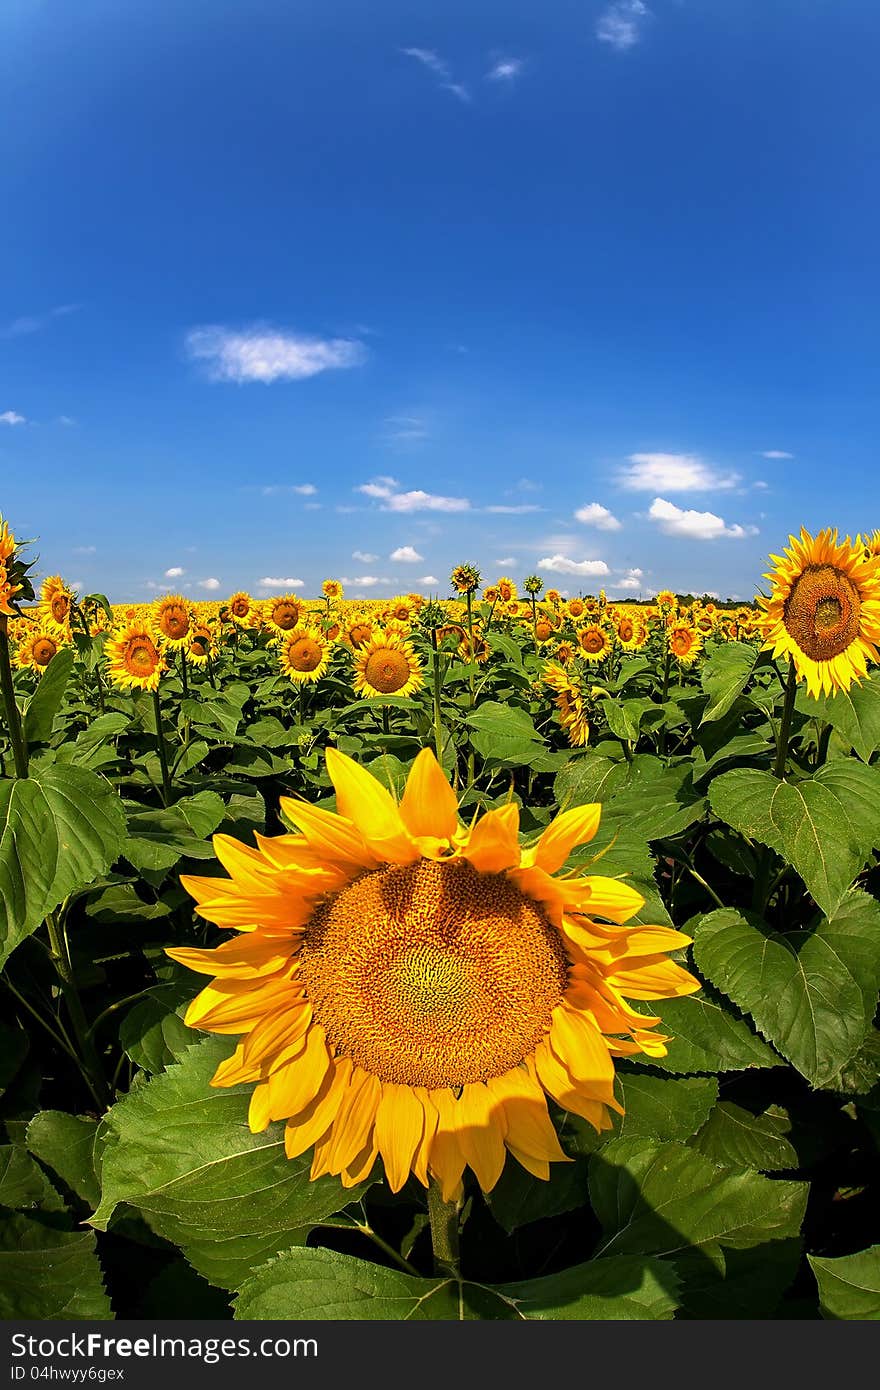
(44, 704)
(738, 1139)
(518, 1198)
(707, 1035)
(160, 836)
(744, 1284)
(321, 1285)
(664, 1198)
(48, 1270)
(22, 1182)
(655, 1107)
(824, 826)
(724, 676)
(812, 994)
(849, 1287)
(854, 713)
(65, 1143)
(153, 1034)
(61, 829)
(181, 1152)
(503, 733)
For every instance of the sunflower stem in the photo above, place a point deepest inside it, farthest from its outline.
(785, 723)
(161, 749)
(89, 1061)
(443, 1217)
(13, 718)
(438, 723)
(183, 675)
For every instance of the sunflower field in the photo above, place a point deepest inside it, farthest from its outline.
(497, 955)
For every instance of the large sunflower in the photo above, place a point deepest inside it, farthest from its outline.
(595, 642)
(387, 665)
(282, 614)
(304, 654)
(134, 658)
(37, 649)
(173, 618)
(55, 601)
(824, 610)
(685, 643)
(410, 988)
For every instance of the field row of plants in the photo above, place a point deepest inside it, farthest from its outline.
(500, 955)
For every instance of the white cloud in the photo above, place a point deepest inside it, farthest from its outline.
(304, 489)
(508, 560)
(384, 489)
(11, 417)
(32, 323)
(379, 487)
(267, 354)
(673, 473)
(430, 59)
(594, 514)
(696, 526)
(406, 555)
(209, 584)
(505, 70)
(175, 572)
(759, 482)
(364, 556)
(561, 564)
(776, 454)
(621, 24)
(85, 549)
(272, 583)
(632, 579)
(429, 579)
(365, 581)
(312, 506)
(519, 510)
(66, 420)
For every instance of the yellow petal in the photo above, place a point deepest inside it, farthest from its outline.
(258, 1109)
(429, 806)
(576, 826)
(242, 958)
(528, 1124)
(481, 1130)
(314, 1120)
(581, 1049)
(400, 1123)
(330, 835)
(657, 979)
(354, 1119)
(447, 1161)
(372, 809)
(292, 1086)
(493, 844)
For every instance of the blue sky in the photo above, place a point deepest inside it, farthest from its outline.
(367, 290)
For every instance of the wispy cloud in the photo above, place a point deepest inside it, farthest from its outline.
(33, 323)
(594, 514)
(631, 579)
(175, 572)
(519, 510)
(210, 584)
(267, 354)
(297, 489)
(505, 70)
(776, 454)
(406, 555)
(384, 489)
(673, 473)
(430, 59)
(429, 579)
(270, 582)
(621, 24)
(405, 429)
(85, 549)
(365, 581)
(12, 417)
(365, 557)
(507, 560)
(561, 564)
(695, 526)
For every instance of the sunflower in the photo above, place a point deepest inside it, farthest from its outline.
(465, 579)
(202, 643)
(575, 608)
(685, 643)
(173, 618)
(490, 594)
(872, 546)
(565, 652)
(332, 589)
(824, 610)
(411, 988)
(704, 622)
(506, 589)
(37, 649)
(400, 609)
(632, 632)
(282, 614)
(570, 703)
(357, 630)
(304, 654)
(241, 609)
(55, 601)
(544, 628)
(595, 642)
(133, 657)
(665, 600)
(553, 596)
(387, 665)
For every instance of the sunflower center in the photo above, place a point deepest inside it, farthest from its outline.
(285, 616)
(60, 607)
(240, 607)
(44, 650)
(141, 657)
(434, 974)
(175, 623)
(822, 612)
(625, 631)
(304, 654)
(592, 642)
(359, 634)
(387, 670)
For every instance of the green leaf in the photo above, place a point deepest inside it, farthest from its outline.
(119, 902)
(14, 1044)
(518, 1198)
(181, 1152)
(660, 1107)
(724, 676)
(849, 1287)
(22, 1182)
(152, 1033)
(854, 713)
(626, 717)
(738, 1139)
(744, 1284)
(588, 778)
(664, 1198)
(812, 994)
(503, 733)
(61, 829)
(824, 826)
(706, 1035)
(65, 1143)
(44, 704)
(321, 1285)
(160, 836)
(47, 1271)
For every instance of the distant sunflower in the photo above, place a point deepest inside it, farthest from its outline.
(400, 609)
(134, 658)
(414, 989)
(824, 610)
(37, 649)
(241, 609)
(544, 628)
(356, 631)
(465, 579)
(282, 614)
(387, 665)
(490, 594)
(173, 618)
(665, 600)
(565, 652)
(202, 644)
(553, 596)
(506, 589)
(575, 608)
(685, 643)
(332, 589)
(304, 654)
(55, 600)
(595, 642)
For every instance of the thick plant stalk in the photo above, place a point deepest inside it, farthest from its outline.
(161, 749)
(785, 722)
(13, 718)
(443, 1217)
